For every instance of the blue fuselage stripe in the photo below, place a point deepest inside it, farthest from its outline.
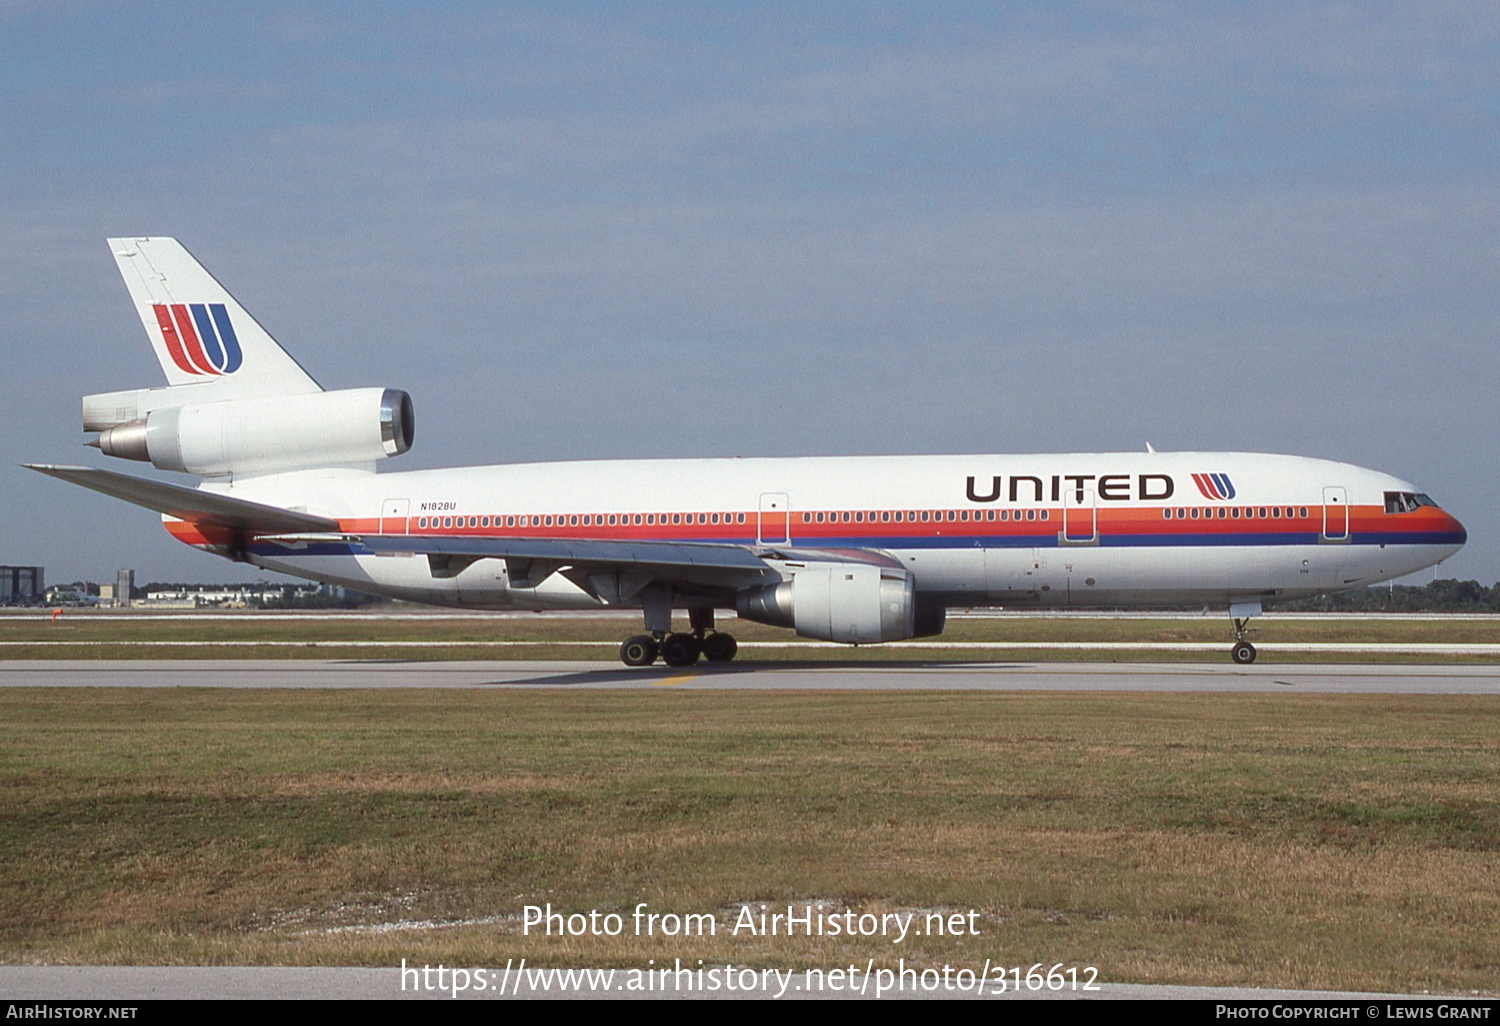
(1040, 541)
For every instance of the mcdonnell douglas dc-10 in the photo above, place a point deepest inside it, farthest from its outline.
(847, 549)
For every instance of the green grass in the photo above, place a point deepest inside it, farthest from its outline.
(1279, 840)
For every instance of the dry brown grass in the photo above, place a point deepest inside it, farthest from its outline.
(1282, 840)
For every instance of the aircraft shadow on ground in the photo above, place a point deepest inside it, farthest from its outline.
(675, 674)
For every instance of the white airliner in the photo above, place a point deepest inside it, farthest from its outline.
(848, 549)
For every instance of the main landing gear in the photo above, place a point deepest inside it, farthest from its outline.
(678, 648)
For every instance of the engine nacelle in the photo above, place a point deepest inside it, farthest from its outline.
(855, 603)
(318, 429)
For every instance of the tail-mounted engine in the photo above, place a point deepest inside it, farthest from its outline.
(261, 435)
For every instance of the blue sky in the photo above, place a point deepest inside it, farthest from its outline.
(621, 230)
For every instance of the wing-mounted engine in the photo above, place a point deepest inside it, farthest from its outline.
(855, 603)
(252, 435)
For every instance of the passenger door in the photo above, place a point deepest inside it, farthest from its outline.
(1335, 514)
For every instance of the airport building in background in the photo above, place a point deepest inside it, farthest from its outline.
(21, 585)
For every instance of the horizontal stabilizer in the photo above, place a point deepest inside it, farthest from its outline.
(209, 509)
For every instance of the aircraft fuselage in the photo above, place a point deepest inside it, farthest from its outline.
(1071, 531)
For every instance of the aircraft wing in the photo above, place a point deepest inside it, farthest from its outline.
(610, 570)
(684, 554)
(208, 509)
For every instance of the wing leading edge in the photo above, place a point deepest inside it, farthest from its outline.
(611, 571)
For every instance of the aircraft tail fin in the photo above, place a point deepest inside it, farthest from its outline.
(201, 334)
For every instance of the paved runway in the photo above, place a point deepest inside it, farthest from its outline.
(879, 676)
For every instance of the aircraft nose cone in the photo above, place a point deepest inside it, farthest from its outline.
(1460, 533)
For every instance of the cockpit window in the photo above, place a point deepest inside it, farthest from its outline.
(1406, 502)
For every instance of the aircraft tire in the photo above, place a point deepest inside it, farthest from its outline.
(1243, 653)
(720, 647)
(679, 650)
(638, 650)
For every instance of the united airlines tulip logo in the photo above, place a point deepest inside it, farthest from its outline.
(1214, 486)
(199, 337)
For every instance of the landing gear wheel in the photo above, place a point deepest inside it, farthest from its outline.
(638, 650)
(679, 650)
(719, 647)
(1243, 653)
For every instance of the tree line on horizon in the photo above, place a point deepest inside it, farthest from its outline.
(1442, 596)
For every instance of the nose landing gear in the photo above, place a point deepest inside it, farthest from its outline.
(1241, 612)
